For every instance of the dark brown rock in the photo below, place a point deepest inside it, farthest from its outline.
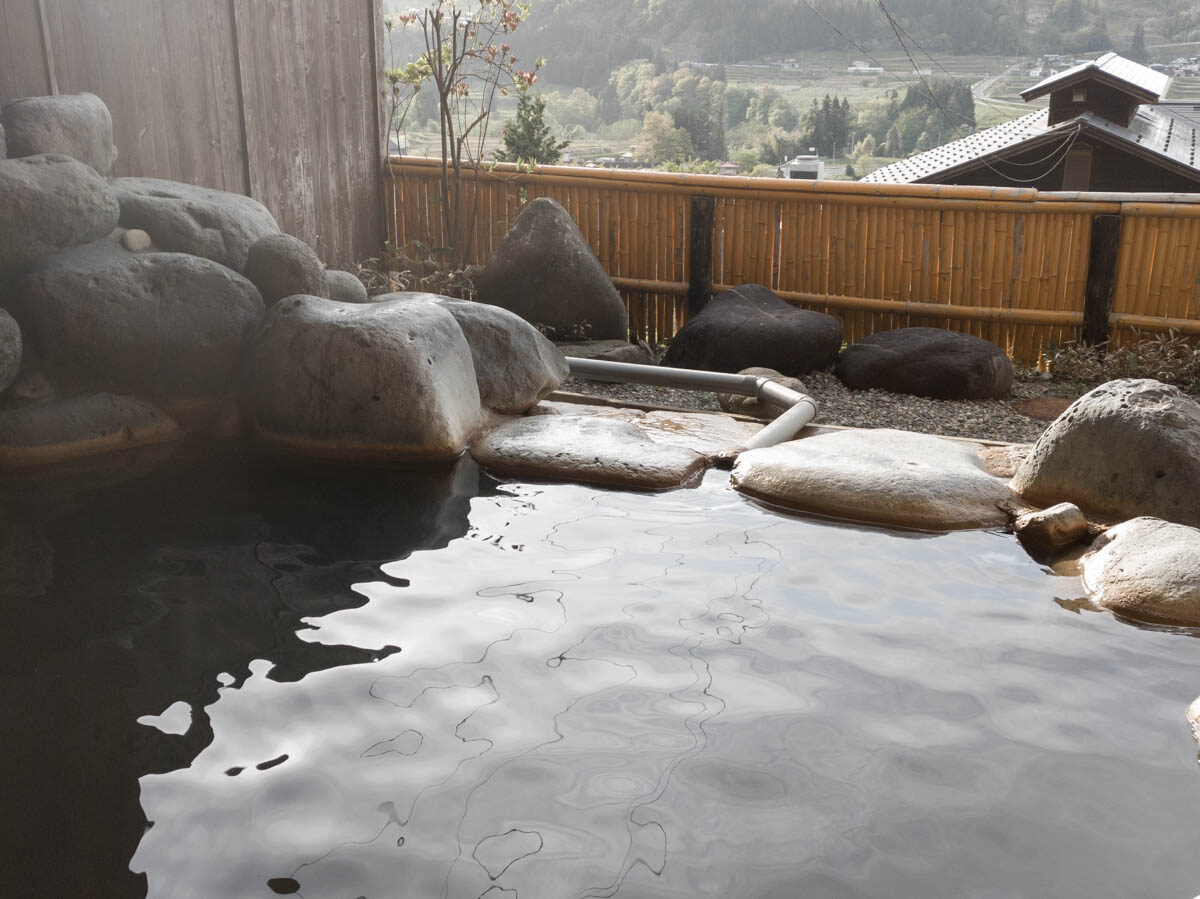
(750, 326)
(609, 351)
(931, 362)
(545, 272)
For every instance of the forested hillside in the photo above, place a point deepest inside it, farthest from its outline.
(586, 39)
(679, 83)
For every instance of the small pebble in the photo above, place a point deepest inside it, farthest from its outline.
(136, 240)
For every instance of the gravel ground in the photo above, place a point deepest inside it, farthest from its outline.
(980, 419)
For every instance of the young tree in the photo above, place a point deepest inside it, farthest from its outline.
(661, 141)
(783, 115)
(528, 138)
(465, 63)
(892, 144)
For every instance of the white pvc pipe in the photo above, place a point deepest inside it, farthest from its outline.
(801, 408)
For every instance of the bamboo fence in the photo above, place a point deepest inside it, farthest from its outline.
(1006, 264)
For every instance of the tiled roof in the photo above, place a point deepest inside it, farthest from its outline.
(1141, 79)
(1169, 130)
(967, 149)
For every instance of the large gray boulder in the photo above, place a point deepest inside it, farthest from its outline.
(10, 350)
(1129, 447)
(75, 125)
(159, 325)
(50, 203)
(933, 362)
(3, 143)
(1146, 568)
(515, 366)
(85, 425)
(346, 287)
(388, 380)
(545, 272)
(187, 218)
(750, 326)
(587, 450)
(894, 478)
(281, 266)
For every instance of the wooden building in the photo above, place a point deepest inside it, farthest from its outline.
(1106, 128)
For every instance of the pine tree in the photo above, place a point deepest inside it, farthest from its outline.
(1137, 47)
(528, 138)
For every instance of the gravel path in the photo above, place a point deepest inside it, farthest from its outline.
(980, 419)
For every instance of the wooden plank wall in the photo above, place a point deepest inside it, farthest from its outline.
(275, 100)
(310, 87)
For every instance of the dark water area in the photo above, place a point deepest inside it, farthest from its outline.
(223, 677)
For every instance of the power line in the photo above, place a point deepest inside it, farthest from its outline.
(916, 68)
(927, 92)
(1065, 147)
(896, 25)
(852, 42)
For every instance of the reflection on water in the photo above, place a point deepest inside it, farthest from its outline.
(569, 692)
(137, 598)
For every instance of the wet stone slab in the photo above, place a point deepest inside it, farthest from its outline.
(894, 478)
(588, 450)
(706, 433)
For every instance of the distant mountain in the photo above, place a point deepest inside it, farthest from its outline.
(585, 39)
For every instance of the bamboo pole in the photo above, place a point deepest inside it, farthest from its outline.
(1053, 297)
(1138, 266)
(944, 197)
(733, 241)
(1158, 265)
(666, 266)
(1179, 263)
(1188, 326)
(906, 307)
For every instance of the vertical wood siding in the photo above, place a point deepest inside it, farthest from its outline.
(273, 100)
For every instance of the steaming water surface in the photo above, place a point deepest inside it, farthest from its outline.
(394, 685)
